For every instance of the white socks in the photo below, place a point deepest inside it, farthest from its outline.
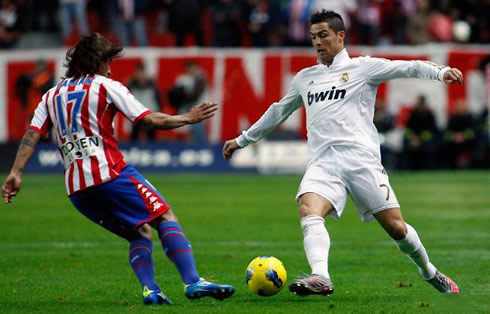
(415, 250)
(317, 244)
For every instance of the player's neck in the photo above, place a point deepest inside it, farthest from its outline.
(328, 62)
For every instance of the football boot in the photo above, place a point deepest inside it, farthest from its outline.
(311, 285)
(443, 283)
(204, 288)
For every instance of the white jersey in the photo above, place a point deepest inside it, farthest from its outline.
(81, 112)
(339, 100)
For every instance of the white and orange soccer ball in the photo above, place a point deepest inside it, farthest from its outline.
(266, 276)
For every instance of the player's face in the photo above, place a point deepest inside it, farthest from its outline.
(326, 43)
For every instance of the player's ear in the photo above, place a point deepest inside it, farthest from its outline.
(341, 35)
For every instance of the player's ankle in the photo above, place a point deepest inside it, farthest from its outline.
(428, 272)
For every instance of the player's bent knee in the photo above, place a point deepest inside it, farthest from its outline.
(305, 210)
(167, 216)
(311, 204)
(145, 232)
(392, 221)
(308, 210)
(136, 234)
(398, 230)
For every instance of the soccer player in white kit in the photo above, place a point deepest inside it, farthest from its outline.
(344, 156)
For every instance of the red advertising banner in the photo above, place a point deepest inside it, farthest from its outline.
(243, 81)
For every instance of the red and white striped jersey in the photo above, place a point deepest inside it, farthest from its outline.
(80, 113)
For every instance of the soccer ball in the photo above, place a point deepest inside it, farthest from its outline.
(266, 276)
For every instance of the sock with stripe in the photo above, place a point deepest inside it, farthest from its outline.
(140, 258)
(178, 250)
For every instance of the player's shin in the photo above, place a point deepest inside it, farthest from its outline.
(178, 250)
(415, 250)
(316, 243)
(141, 260)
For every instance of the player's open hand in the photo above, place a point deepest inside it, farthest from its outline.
(11, 187)
(452, 76)
(228, 149)
(202, 112)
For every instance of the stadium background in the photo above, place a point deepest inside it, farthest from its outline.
(230, 213)
(249, 51)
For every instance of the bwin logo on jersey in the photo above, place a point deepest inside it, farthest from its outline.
(328, 94)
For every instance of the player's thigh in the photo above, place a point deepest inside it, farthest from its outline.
(137, 199)
(321, 192)
(96, 210)
(369, 186)
(158, 216)
(142, 184)
(123, 204)
(312, 204)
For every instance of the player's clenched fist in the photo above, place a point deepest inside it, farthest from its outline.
(202, 112)
(453, 75)
(229, 147)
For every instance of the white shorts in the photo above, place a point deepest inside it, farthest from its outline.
(350, 170)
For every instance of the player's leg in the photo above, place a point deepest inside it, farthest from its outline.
(321, 193)
(408, 241)
(179, 251)
(176, 246)
(141, 260)
(371, 191)
(144, 204)
(312, 210)
(120, 207)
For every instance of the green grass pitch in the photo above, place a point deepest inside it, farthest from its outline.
(53, 260)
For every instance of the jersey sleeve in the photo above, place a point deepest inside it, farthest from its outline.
(275, 115)
(121, 97)
(41, 122)
(379, 70)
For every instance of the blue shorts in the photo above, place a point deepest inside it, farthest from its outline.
(123, 204)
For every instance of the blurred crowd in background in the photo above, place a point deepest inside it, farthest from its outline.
(413, 141)
(463, 143)
(409, 140)
(238, 23)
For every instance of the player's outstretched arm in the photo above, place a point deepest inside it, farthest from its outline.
(162, 121)
(380, 70)
(274, 116)
(13, 182)
(452, 76)
(230, 147)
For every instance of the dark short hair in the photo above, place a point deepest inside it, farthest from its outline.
(334, 20)
(88, 54)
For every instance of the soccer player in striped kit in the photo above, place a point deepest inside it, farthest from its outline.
(80, 112)
(344, 155)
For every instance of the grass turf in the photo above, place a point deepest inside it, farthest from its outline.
(55, 260)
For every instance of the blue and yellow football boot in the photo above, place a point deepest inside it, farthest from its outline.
(154, 297)
(204, 288)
